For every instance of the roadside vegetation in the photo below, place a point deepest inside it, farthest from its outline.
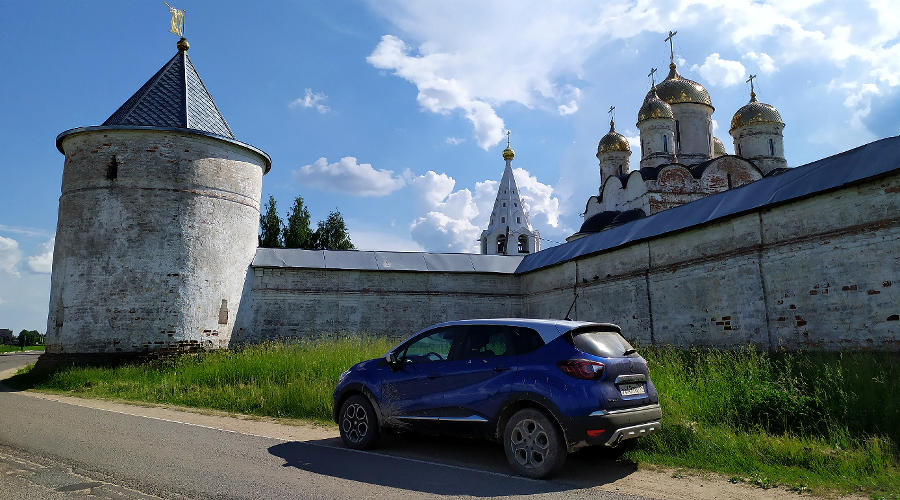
(824, 422)
(15, 348)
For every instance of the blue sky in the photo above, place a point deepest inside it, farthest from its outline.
(394, 111)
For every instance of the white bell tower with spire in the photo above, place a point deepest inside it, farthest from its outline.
(509, 231)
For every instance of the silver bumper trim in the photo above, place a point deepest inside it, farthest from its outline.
(632, 432)
(600, 413)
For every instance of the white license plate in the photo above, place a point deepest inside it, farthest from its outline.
(631, 389)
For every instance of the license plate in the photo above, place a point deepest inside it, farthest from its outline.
(631, 389)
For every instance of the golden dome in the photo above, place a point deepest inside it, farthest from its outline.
(755, 112)
(508, 153)
(677, 89)
(718, 148)
(654, 107)
(613, 141)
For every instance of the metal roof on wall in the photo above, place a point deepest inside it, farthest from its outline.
(385, 261)
(873, 159)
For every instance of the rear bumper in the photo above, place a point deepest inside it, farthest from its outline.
(609, 428)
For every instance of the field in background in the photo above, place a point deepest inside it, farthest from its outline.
(819, 421)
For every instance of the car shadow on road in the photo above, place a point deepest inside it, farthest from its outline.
(443, 466)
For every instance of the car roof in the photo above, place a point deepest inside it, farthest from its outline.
(548, 329)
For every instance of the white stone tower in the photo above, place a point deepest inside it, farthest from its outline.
(756, 129)
(692, 110)
(157, 225)
(613, 152)
(509, 231)
(657, 125)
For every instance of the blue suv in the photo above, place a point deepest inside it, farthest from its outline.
(542, 387)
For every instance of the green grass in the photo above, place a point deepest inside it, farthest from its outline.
(14, 348)
(826, 422)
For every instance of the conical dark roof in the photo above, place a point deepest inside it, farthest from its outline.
(174, 97)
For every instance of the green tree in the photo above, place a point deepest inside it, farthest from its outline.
(31, 337)
(297, 233)
(332, 233)
(270, 226)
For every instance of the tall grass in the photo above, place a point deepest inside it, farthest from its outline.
(13, 348)
(825, 421)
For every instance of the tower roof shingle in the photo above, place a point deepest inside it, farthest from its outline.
(175, 97)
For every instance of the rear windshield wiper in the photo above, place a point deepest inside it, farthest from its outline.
(629, 351)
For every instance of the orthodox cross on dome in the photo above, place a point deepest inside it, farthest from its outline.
(652, 77)
(612, 114)
(750, 81)
(507, 138)
(671, 47)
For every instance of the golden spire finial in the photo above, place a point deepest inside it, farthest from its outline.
(508, 153)
(752, 93)
(177, 27)
(671, 49)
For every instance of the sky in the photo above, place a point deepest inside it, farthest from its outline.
(395, 112)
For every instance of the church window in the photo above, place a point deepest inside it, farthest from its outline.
(771, 147)
(484, 245)
(518, 220)
(739, 149)
(620, 170)
(501, 244)
(504, 203)
(665, 144)
(730, 182)
(523, 244)
(677, 136)
(515, 204)
(502, 220)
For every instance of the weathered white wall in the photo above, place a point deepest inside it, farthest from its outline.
(753, 142)
(695, 127)
(818, 273)
(145, 260)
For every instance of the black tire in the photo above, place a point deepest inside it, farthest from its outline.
(534, 446)
(358, 423)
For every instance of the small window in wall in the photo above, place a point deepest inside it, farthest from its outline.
(771, 147)
(665, 144)
(502, 220)
(518, 220)
(739, 149)
(677, 136)
(515, 204)
(620, 170)
(523, 244)
(504, 203)
(501, 244)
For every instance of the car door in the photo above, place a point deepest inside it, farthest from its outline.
(412, 391)
(480, 370)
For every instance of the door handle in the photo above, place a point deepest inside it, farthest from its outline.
(433, 375)
(500, 368)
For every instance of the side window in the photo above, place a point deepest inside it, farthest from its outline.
(435, 346)
(486, 341)
(525, 340)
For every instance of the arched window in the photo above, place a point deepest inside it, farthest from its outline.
(665, 144)
(523, 244)
(739, 149)
(771, 147)
(502, 220)
(501, 244)
(518, 220)
(677, 136)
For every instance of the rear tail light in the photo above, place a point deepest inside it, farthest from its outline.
(582, 368)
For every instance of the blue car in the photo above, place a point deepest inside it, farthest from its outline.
(543, 388)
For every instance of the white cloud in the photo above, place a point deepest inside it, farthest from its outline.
(10, 256)
(455, 141)
(384, 241)
(763, 61)
(452, 221)
(572, 106)
(858, 99)
(721, 72)
(311, 100)
(348, 176)
(42, 262)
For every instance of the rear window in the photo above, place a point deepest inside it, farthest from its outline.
(603, 344)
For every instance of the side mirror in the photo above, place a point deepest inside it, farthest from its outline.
(392, 361)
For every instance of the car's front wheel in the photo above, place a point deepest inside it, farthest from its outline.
(534, 446)
(358, 423)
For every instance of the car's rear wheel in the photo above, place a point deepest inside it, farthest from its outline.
(534, 445)
(358, 423)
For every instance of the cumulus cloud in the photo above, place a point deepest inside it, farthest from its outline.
(721, 72)
(311, 100)
(348, 176)
(763, 61)
(10, 256)
(452, 220)
(455, 141)
(42, 262)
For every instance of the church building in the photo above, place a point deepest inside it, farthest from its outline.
(681, 161)
(509, 231)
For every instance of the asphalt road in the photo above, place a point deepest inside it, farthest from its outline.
(53, 449)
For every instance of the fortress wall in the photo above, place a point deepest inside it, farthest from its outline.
(818, 273)
(299, 302)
